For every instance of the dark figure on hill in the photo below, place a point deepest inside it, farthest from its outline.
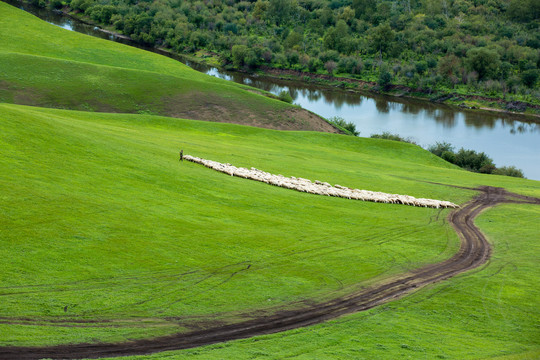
(181, 155)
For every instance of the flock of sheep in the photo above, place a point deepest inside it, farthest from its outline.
(318, 187)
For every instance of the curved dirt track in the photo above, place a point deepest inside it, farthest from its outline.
(474, 251)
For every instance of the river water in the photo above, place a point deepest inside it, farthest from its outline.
(508, 140)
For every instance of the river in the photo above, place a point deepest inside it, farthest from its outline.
(508, 140)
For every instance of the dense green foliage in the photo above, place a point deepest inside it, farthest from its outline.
(347, 127)
(472, 160)
(479, 46)
(386, 135)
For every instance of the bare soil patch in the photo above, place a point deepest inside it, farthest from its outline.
(474, 251)
(210, 107)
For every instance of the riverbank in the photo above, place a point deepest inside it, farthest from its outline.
(527, 111)
(464, 101)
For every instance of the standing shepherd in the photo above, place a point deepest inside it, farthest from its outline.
(181, 155)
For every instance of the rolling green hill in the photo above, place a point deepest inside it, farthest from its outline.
(106, 236)
(44, 65)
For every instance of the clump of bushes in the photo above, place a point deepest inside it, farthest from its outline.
(472, 160)
(285, 96)
(509, 171)
(388, 136)
(347, 127)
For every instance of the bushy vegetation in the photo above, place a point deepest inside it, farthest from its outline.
(285, 96)
(489, 47)
(386, 135)
(472, 160)
(509, 171)
(346, 126)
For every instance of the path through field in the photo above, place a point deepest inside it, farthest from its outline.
(474, 251)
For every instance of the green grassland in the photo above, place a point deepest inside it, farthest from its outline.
(105, 236)
(44, 65)
(103, 223)
(486, 314)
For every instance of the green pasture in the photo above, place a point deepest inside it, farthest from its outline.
(44, 65)
(489, 313)
(104, 230)
(26, 34)
(105, 236)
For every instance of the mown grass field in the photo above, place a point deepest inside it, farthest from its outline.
(44, 65)
(103, 223)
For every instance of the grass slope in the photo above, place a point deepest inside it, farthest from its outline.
(44, 65)
(103, 229)
(491, 313)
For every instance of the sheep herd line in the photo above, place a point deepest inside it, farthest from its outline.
(318, 187)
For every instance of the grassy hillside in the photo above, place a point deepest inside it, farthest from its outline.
(44, 65)
(488, 314)
(106, 236)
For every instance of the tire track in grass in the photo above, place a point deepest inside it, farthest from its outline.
(474, 251)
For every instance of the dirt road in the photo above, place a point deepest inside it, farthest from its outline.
(474, 251)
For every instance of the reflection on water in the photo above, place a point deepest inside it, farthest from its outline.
(507, 139)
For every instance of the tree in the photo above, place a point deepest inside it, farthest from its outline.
(509, 171)
(260, 9)
(524, 10)
(314, 64)
(281, 11)
(239, 54)
(385, 78)
(330, 66)
(348, 15)
(337, 38)
(471, 160)
(440, 147)
(364, 9)
(529, 77)
(292, 39)
(484, 61)
(340, 122)
(449, 68)
(381, 37)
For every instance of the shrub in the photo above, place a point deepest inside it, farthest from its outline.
(330, 66)
(395, 137)
(529, 77)
(509, 171)
(471, 160)
(440, 148)
(285, 96)
(347, 127)
(449, 156)
(314, 64)
(385, 78)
